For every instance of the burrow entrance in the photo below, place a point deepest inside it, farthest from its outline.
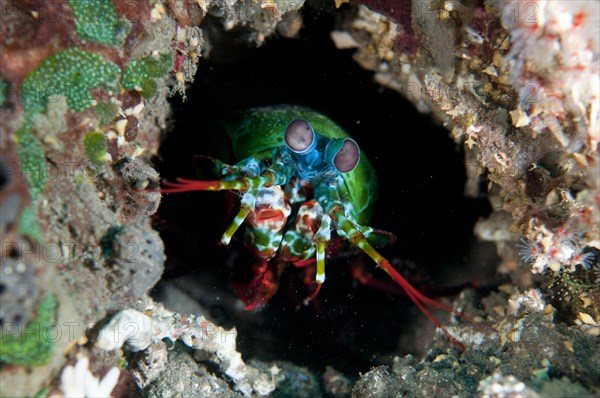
(422, 177)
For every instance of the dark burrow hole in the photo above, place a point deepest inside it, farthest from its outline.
(422, 176)
(4, 173)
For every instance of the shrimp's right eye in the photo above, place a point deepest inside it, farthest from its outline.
(300, 136)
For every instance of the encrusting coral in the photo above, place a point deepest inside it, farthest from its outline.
(195, 332)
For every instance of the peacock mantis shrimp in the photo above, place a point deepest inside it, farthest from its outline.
(300, 178)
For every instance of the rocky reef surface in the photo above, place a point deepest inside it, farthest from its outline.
(84, 102)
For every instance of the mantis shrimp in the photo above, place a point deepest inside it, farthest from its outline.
(301, 176)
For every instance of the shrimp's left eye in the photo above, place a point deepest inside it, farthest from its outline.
(300, 136)
(347, 157)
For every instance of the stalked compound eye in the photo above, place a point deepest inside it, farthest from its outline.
(300, 136)
(347, 157)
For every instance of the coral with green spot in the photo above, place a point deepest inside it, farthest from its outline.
(139, 74)
(108, 241)
(97, 20)
(71, 73)
(34, 345)
(3, 92)
(94, 144)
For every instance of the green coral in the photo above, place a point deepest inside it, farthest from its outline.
(33, 165)
(70, 73)
(3, 92)
(140, 73)
(42, 392)
(106, 111)
(97, 20)
(31, 158)
(94, 144)
(35, 344)
(28, 224)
